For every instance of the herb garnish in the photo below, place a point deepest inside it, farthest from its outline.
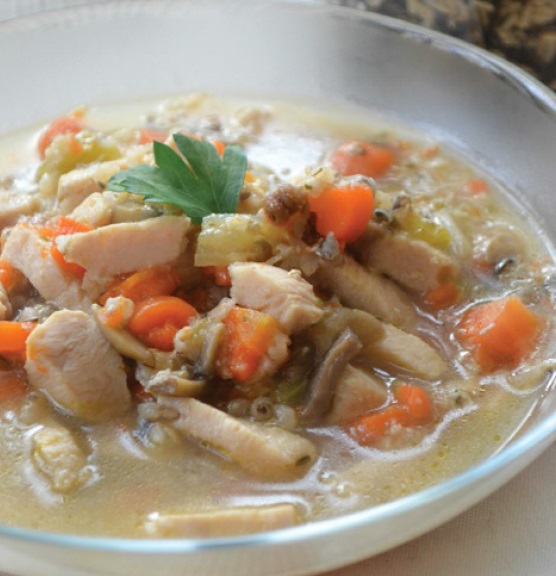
(203, 184)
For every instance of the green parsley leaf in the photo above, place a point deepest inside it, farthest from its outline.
(200, 185)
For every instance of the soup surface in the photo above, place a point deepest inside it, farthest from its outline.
(222, 317)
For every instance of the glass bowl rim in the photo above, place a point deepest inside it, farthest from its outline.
(544, 431)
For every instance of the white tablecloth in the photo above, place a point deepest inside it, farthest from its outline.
(509, 534)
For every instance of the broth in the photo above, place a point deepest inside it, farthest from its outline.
(275, 389)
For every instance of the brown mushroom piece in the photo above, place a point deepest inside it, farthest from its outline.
(323, 384)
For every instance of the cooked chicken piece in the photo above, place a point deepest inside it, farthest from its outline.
(322, 386)
(356, 393)
(71, 362)
(30, 254)
(56, 455)
(223, 522)
(14, 204)
(265, 451)
(284, 295)
(95, 211)
(5, 306)
(101, 209)
(413, 264)
(400, 350)
(359, 288)
(121, 248)
(76, 185)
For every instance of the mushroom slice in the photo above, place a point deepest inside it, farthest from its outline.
(323, 384)
(169, 382)
(222, 522)
(267, 452)
(357, 392)
(123, 341)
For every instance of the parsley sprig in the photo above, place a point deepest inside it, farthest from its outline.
(200, 185)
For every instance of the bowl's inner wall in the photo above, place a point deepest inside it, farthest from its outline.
(261, 50)
(317, 55)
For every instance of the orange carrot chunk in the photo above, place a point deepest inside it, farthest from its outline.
(417, 401)
(66, 226)
(13, 336)
(64, 125)
(500, 333)
(143, 284)
(442, 296)
(220, 147)
(363, 158)
(9, 276)
(247, 337)
(157, 320)
(343, 210)
(147, 136)
(367, 430)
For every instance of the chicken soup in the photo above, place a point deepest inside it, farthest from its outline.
(220, 318)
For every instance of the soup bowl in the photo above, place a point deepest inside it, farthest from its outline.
(479, 104)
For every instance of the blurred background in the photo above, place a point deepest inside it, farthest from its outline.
(522, 31)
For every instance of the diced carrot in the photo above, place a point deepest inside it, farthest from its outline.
(343, 210)
(363, 158)
(442, 296)
(430, 152)
(220, 146)
(416, 400)
(247, 337)
(157, 320)
(218, 274)
(147, 283)
(147, 136)
(10, 277)
(13, 336)
(249, 177)
(12, 386)
(370, 428)
(500, 333)
(66, 226)
(63, 125)
(477, 186)
(113, 316)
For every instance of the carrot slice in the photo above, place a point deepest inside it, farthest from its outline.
(343, 210)
(247, 337)
(9, 276)
(13, 336)
(367, 430)
(500, 333)
(143, 284)
(63, 125)
(416, 400)
(147, 136)
(220, 146)
(157, 320)
(363, 158)
(442, 296)
(66, 226)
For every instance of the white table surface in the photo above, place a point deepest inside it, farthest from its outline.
(511, 533)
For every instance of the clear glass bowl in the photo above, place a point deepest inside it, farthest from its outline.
(502, 119)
